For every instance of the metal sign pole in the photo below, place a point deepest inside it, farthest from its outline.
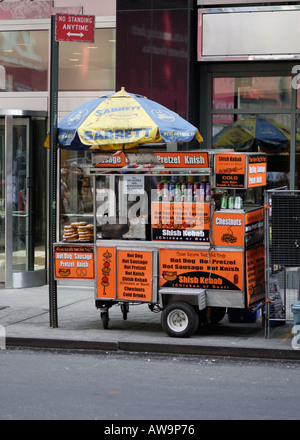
(53, 172)
(57, 22)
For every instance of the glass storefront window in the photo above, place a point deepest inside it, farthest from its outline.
(267, 133)
(39, 205)
(296, 85)
(24, 61)
(88, 66)
(222, 122)
(252, 93)
(76, 196)
(24, 58)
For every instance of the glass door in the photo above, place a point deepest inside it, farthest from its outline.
(22, 258)
(2, 202)
(23, 164)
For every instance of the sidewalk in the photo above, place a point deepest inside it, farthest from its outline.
(24, 315)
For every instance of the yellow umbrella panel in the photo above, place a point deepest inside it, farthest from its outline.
(122, 119)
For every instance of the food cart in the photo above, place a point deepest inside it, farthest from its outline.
(181, 231)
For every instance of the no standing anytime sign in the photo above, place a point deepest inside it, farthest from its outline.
(79, 28)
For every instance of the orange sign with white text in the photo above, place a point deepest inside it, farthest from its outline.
(135, 275)
(201, 269)
(228, 229)
(238, 229)
(116, 160)
(183, 159)
(71, 261)
(230, 170)
(180, 221)
(257, 170)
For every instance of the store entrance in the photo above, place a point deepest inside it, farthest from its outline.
(22, 199)
(254, 107)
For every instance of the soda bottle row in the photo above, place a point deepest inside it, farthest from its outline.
(184, 191)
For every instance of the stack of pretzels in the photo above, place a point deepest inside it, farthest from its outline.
(85, 232)
(81, 231)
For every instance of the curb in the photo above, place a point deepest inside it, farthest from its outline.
(66, 344)
(142, 347)
(200, 350)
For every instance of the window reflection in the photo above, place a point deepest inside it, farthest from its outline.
(20, 194)
(297, 152)
(76, 196)
(253, 93)
(254, 133)
(296, 85)
(88, 66)
(24, 61)
(82, 66)
(241, 120)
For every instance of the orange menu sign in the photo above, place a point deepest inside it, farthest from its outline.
(230, 170)
(238, 229)
(106, 272)
(135, 275)
(178, 221)
(73, 261)
(255, 263)
(257, 170)
(180, 159)
(201, 269)
(183, 159)
(254, 220)
(116, 160)
(228, 229)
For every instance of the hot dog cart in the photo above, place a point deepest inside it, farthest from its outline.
(180, 230)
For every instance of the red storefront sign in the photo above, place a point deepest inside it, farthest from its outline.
(79, 28)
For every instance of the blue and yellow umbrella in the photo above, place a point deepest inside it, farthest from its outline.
(122, 120)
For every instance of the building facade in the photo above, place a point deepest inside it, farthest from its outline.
(86, 71)
(249, 70)
(223, 65)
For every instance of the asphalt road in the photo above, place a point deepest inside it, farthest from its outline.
(60, 385)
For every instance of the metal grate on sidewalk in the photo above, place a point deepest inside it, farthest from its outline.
(282, 254)
(285, 224)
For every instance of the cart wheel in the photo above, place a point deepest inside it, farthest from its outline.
(105, 319)
(211, 315)
(125, 310)
(180, 320)
(217, 314)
